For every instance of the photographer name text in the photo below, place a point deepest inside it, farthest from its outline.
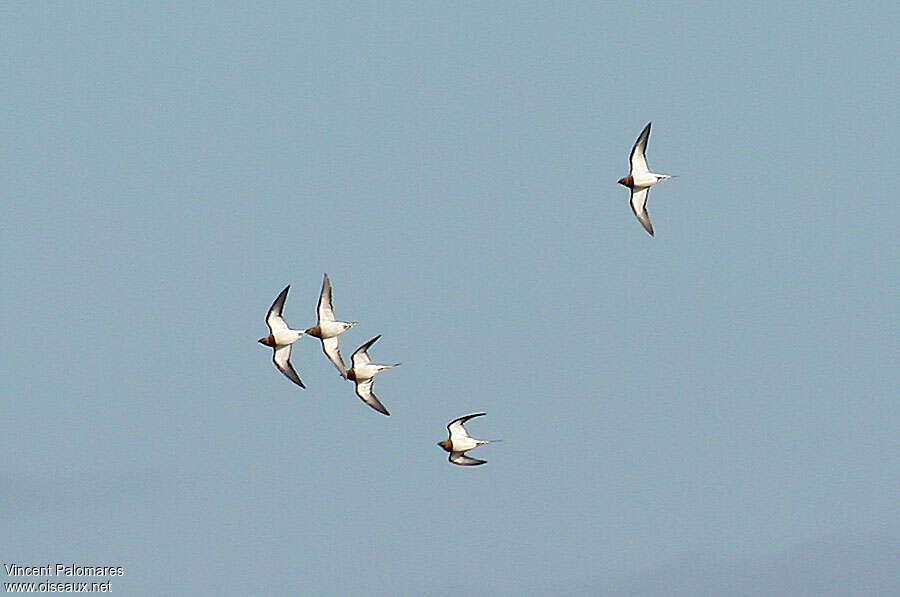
(66, 571)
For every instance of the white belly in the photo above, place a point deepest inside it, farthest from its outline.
(645, 179)
(464, 443)
(330, 329)
(367, 371)
(285, 337)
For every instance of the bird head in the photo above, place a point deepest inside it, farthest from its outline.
(268, 340)
(445, 444)
(627, 181)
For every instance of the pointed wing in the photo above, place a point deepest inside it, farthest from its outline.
(457, 429)
(282, 360)
(326, 309)
(361, 356)
(365, 390)
(639, 207)
(639, 152)
(461, 459)
(332, 350)
(274, 319)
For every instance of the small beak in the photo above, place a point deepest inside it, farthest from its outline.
(622, 182)
(262, 340)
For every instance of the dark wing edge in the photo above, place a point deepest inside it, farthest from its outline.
(288, 371)
(645, 221)
(642, 138)
(462, 420)
(340, 365)
(370, 398)
(278, 305)
(323, 297)
(365, 346)
(460, 459)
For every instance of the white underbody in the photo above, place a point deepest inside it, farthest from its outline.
(331, 329)
(287, 337)
(368, 371)
(461, 444)
(643, 180)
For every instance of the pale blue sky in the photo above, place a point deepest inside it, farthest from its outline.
(710, 410)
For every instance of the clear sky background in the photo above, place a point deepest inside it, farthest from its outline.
(711, 410)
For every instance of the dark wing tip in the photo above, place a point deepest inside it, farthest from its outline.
(368, 344)
(378, 404)
(643, 137)
(644, 132)
(371, 399)
(278, 304)
(463, 460)
(288, 371)
(463, 419)
(296, 379)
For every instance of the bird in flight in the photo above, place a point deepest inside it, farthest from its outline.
(640, 179)
(281, 337)
(363, 371)
(328, 328)
(460, 442)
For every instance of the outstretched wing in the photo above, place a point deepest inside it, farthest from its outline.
(639, 153)
(282, 360)
(461, 459)
(274, 319)
(332, 350)
(365, 390)
(361, 356)
(639, 207)
(457, 428)
(326, 309)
